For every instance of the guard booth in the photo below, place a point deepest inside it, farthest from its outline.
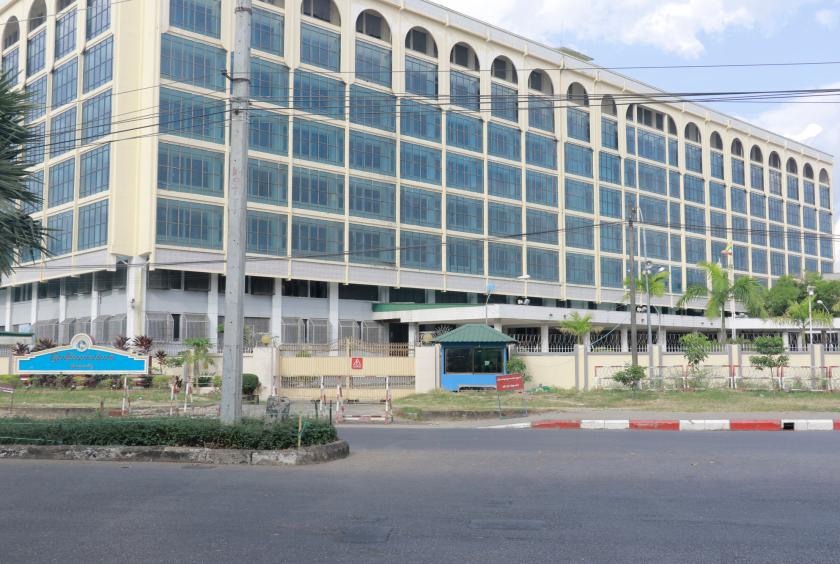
(471, 357)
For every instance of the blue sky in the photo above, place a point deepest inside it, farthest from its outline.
(674, 32)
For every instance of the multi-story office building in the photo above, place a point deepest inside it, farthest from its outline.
(400, 153)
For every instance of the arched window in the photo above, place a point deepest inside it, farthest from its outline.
(421, 41)
(755, 154)
(692, 133)
(756, 168)
(11, 32)
(464, 56)
(791, 166)
(737, 148)
(672, 126)
(61, 4)
(824, 177)
(774, 161)
(608, 105)
(716, 141)
(577, 94)
(324, 10)
(503, 69)
(775, 175)
(808, 171)
(540, 81)
(37, 15)
(631, 111)
(372, 24)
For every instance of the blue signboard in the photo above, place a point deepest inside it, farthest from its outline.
(82, 357)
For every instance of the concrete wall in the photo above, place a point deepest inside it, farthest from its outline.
(427, 369)
(552, 369)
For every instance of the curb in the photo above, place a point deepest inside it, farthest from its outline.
(680, 424)
(184, 455)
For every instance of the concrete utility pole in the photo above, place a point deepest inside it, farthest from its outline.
(231, 411)
(634, 343)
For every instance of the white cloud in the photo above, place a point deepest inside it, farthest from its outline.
(674, 26)
(827, 18)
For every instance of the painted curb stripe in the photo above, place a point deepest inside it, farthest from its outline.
(556, 424)
(681, 425)
(756, 425)
(655, 425)
(704, 424)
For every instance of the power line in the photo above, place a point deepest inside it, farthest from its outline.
(61, 13)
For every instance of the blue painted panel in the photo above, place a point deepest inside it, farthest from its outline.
(452, 382)
(82, 358)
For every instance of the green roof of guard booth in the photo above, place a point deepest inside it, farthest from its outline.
(475, 333)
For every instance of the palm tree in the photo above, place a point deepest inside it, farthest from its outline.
(745, 290)
(656, 281)
(18, 231)
(577, 325)
(198, 356)
(797, 314)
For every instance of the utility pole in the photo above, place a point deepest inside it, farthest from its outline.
(634, 344)
(231, 411)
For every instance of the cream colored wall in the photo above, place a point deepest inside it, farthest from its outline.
(555, 370)
(427, 369)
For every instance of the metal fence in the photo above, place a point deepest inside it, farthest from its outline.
(344, 347)
(745, 378)
(366, 389)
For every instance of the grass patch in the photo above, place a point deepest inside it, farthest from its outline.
(82, 397)
(181, 432)
(569, 400)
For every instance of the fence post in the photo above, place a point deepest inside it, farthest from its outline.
(323, 399)
(339, 403)
(389, 417)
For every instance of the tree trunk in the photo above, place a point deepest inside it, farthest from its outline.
(722, 333)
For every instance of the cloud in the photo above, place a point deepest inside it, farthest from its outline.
(674, 26)
(827, 18)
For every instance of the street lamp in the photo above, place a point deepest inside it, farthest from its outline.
(828, 333)
(811, 328)
(490, 288)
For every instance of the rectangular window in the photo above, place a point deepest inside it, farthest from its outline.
(775, 210)
(794, 240)
(93, 225)
(317, 94)
(317, 239)
(317, 190)
(674, 184)
(610, 202)
(630, 173)
(502, 180)
(372, 245)
(826, 244)
(420, 163)
(60, 241)
(318, 142)
(653, 211)
(11, 63)
(540, 188)
(465, 256)
(65, 34)
(419, 120)
(717, 195)
(421, 77)
(420, 250)
(756, 178)
(95, 169)
(35, 186)
(36, 53)
(651, 146)
(579, 196)
(580, 232)
(464, 132)
(373, 63)
(825, 196)
(738, 172)
(825, 222)
(759, 261)
(676, 280)
(653, 178)
(369, 198)
(504, 142)
(580, 269)
(63, 133)
(739, 229)
(541, 226)
(37, 93)
(96, 117)
(191, 170)
(266, 233)
(655, 244)
(775, 182)
(611, 238)
(543, 265)
(62, 182)
(198, 16)
(464, 172)
(695, 277)
(739, 200)
(609, 133)
(718, 222)
(267, 31)
(373, 153)
(464, 91)
(630, 138)
(758, 233)
(505, 260)
(320, 47)
(777, 264)
(192, 62)
(270, 82)
(99, 65)
(504, 102)
(189, 224)
(674, 220)
(794, 265)
(541, 113)
(578, 160)
(464, 214)
(694, 158)
(695, 250)
(577, 124)
(674, 153)
(189, 115)
(504, 220)
(676, 248)
(98, 17)
(419, 207)
(809, 194)
(792, 213)
(777, 237)
(609, 168)
(377, 109)
(717, 165)
(267, 182)
(612, 273)
(758, 205)
(65, 84)
(695, 189)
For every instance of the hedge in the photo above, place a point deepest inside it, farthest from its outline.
(183, 432)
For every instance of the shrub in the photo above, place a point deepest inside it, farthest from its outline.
(303, 354)
(161, 381)
(12, 380)
(696, 347)
(217, 381)
(207, 433)
(516, 365)
(204, 381)
(250, 383)
(630, 376)
(771, 354)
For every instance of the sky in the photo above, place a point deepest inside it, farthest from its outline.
(679, 32)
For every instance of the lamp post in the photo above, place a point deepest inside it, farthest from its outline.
(811, 328)
(828, 333)
(647, 270)
(490, 288)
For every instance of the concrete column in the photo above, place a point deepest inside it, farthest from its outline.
(497, 326)
(8, 317)
(62, 307)
(94, 306)
(587, 340)
(333, 315)
(800, 342)
(33, 305)
(135, 296)
(430, 296)
(277, 309)
(625, 345)
(213, 310)
(412, 334)
(384, 294)
(544, 338)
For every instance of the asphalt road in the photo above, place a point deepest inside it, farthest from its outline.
(447, 495)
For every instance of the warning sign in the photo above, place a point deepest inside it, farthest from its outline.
(510, 382)
(357, 363)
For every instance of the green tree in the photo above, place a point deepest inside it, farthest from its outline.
(797, 314)
(577, 325)
(745, 290)
(785, 289)
(657, 282)
(770, 354)
(19, 233)
(198, 356)
(696, 348)
(630, 376)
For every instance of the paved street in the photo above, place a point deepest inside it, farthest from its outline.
(447, 495)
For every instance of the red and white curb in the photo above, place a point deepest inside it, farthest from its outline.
(680, 424)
